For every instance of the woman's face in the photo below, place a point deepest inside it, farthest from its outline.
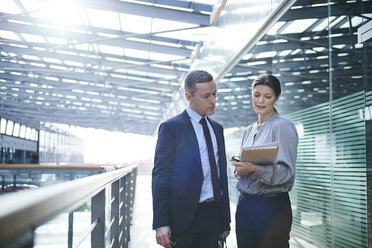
(263, 100)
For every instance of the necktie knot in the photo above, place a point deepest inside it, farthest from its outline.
(203, 121)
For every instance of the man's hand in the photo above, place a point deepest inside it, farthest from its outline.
(225, 234)
(163, 235)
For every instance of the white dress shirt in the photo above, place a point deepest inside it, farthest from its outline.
(207, 189)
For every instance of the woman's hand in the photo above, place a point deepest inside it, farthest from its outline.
(244, 168)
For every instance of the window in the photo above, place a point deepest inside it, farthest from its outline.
(9, 128)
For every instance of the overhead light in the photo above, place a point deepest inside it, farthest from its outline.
(365, 33)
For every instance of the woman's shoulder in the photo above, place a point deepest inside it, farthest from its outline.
(281, 121)
(285, 127)
(248, 128)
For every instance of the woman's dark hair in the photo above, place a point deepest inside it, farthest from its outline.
(270, 81)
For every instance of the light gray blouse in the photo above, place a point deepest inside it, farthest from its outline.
(278, 177)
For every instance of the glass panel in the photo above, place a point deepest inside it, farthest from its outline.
(33, 133)
(54, 233)
(348, 140)
(59, 146)
(36, 138)
(28, 133)
(9, 127)
(22, 132)
(327, 92)
(3, 126)
(16, 129)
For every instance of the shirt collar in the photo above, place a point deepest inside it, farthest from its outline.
(193, 115)
(269, 120)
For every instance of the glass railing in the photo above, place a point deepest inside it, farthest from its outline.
(66, 206)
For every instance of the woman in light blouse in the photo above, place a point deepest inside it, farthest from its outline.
(264, 213)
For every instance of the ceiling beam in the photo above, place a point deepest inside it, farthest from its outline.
(198, 7)
(121, 43)
(148, 11)
(66, 89)
(313, 12)
(39, 74)
(84, 57)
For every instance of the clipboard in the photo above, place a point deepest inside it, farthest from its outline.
(262, 154)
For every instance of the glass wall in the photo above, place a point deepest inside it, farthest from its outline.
(327, 93)
(59, 146)
(18, 143)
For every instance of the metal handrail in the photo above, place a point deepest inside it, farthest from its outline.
(58, 167)
(22, 211)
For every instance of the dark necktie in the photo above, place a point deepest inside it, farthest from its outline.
(212, 161)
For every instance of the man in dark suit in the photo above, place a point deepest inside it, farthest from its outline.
(189, 178)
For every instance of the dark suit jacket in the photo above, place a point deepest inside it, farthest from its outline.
(177, 175)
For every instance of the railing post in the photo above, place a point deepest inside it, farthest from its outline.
(70, 229)
(3, 182)
(115, 214)
(98, 213)
(124, 210)
(133, 176)
(121, 216)
(127, 207)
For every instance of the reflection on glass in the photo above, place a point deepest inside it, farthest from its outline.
(33, 132)
(36, 138)
(54, 233)
(2, 125)
(16, 129)
(9, 128)
(28, 133)
(22, 132)
(327, 94)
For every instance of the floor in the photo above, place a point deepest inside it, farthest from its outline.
(142, 235)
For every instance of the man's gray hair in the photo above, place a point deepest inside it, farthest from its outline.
(194, 77)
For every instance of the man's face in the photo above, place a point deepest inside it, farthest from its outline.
(203, 101)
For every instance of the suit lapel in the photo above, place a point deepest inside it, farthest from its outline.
(191, 136)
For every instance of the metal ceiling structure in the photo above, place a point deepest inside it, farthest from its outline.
(54, 68)
(296, 49)
(120, 76)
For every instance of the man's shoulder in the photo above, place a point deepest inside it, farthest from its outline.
(176, 120)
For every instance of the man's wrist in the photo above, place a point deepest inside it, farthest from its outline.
(162, 227)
